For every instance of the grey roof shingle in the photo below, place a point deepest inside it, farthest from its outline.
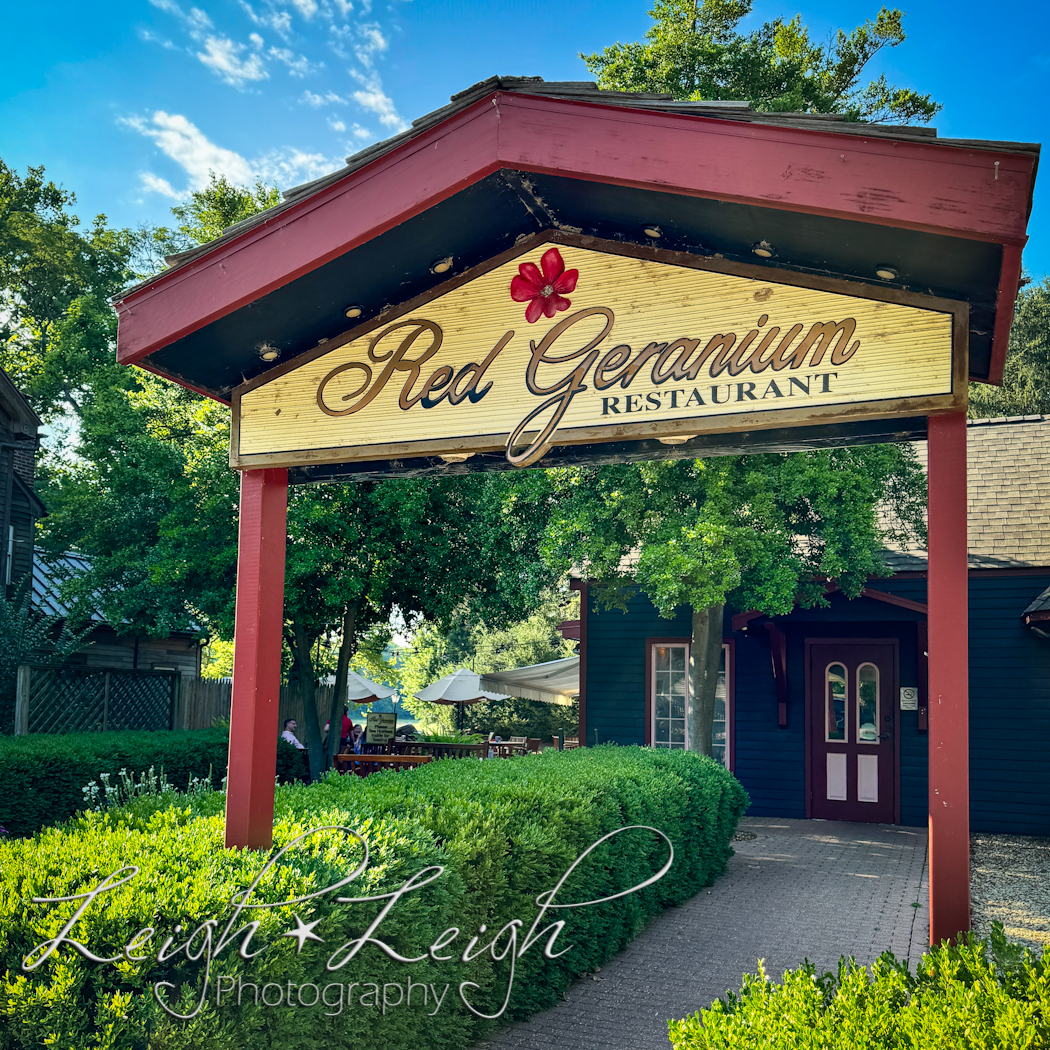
(1008, 468)
(1040, 604)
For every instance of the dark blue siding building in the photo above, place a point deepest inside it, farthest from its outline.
(823, 711)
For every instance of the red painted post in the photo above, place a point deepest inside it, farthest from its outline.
(949, 672)
(257, 658)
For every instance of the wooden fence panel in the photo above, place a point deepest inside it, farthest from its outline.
(202, 700)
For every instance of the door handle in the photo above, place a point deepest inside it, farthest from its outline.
(884, 736)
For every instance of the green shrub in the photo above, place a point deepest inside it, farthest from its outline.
(504, 831)
(42, 777)
(992, 996)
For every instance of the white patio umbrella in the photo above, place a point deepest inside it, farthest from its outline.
(460, 688)
(361, 690)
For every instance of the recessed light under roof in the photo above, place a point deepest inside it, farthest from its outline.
(764, 250)
(269, 353)
(456, 457)
(653, 231)
(676, 439)
(353, 311)
(442, 265)
(887, 273)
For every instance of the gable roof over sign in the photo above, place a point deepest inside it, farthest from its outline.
(586, 91)
(512, 159)
(1008, 467)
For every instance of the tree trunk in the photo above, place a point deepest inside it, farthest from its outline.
(705, 655)
(347, 648)
(302, 673)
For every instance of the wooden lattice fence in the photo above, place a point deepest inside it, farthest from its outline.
(89, 700)
(70, 699)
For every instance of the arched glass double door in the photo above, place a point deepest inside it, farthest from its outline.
(852, 726)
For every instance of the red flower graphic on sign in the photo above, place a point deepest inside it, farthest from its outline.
(544, 292)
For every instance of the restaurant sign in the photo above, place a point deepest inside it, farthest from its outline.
(564, 344)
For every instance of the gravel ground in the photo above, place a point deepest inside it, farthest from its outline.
(1010, 883)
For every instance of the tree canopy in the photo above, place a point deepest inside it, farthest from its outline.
(144, 487)
(696, 51)
(1026, 377)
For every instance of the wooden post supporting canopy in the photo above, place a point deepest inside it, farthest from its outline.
(948, 693)
(257, 658)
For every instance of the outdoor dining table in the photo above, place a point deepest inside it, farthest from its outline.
(363, 765)
(505, 749)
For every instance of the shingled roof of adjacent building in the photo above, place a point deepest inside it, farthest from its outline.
(1008, 463)
(1040, 605)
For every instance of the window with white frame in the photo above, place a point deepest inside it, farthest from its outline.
(670, 694)
(670, 700)
(720, 734)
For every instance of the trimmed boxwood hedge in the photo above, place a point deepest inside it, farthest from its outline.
(42, 776)
(504, 831)
(987, 995)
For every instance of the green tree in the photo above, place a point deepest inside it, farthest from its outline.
(1026, 377)
(56, 324)
(357, 553)
(757, 532)
(695, 51)
(208, 213)
(148, 494)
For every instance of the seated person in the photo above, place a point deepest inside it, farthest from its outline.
(290, 727)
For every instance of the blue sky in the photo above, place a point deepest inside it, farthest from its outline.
(130, 102)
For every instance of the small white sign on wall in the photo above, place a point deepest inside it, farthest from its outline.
(909, 698)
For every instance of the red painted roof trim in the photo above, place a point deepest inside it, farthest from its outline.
(974, 193)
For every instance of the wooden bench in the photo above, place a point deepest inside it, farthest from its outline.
(363, 765)
(438, 750)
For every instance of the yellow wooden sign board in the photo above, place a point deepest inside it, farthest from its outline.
(566, 344)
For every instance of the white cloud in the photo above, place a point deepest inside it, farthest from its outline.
(298, 65)
(309, 98)
(196, 21)
(282, 23)
(222, 56)
(191, 149)
(372, 43)
(336, 125)
(372, 97)
(307, 8)
(361, 133)
(183, 142)
(257, 41)
(287, 167)
(341, 37)
(155, 184)
(279, 21)
(152, 38)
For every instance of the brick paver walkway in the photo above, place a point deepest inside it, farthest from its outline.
(799, 889)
